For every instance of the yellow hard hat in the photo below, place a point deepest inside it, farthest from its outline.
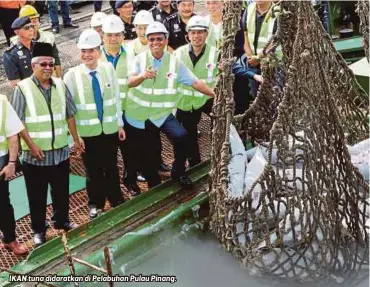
(30, 11)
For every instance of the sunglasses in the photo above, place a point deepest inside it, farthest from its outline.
(156, 39)
(44, 64)
(28, 27)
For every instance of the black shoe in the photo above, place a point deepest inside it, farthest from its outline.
(94, 212)
(134, 189)
(66, 226)
(55, 30)
(164, 167)
(39, 239)
(70, 25)
(185, 181)
(140, 177)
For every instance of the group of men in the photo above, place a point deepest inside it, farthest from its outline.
(122, 95)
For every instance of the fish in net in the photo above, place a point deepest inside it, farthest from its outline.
(304, 212)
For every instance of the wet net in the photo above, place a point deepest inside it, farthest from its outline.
(304, 214)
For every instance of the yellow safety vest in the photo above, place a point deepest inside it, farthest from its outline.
(87, 121)
(3, 138)
(48, 130)
(266, 28)
(205, 70)
(154, 98)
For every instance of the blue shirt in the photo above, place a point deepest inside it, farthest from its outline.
(184, 76)
(112, 59)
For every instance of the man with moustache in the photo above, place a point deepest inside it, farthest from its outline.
(153, 81)
(162, 10)
(176, 24)
(44, 105)
(95, 91)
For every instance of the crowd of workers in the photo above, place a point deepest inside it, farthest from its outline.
(143, 71)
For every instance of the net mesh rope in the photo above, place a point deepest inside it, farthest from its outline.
(308, 218)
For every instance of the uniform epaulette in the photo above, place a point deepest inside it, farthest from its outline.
(172, 16)
(10, 48)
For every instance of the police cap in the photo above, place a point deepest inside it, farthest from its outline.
(20, 22)
(119, 4)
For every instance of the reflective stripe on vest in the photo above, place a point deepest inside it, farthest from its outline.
(205, 69)
(154, 99)
(266, 31)
(39, 121)
(87, 121)
(3, 139)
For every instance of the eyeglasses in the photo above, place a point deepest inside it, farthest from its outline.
(28, 27)
(156, 39)
(44, 64)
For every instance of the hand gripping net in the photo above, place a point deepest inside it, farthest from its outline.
(305, 217)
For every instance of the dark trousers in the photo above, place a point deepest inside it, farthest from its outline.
(98, 4)
(7, 221)
(190, 120)
(37, 180)
(102, 179)
(178, 136)
(53, 12)
(242, 94)
(7, 16)
(140, 149)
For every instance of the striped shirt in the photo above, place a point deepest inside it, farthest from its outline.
(18, 101)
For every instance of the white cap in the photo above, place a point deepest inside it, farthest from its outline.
(156, 27)
(113, 24)
(197, 23)
(143, 17)
(97, 19)
(89, 39)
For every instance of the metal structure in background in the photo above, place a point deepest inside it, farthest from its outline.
(304, 218)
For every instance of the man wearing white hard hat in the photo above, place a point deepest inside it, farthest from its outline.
(141, 21)
(201, 59)
(97, 22)
(154, 78)
(95, 91)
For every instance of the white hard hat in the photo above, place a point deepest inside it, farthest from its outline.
(112, 24)
(197, 23)
(97, 19)
(143, 17)
(156, 27)
(89, 39)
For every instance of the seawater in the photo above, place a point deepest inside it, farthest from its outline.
(199, 261)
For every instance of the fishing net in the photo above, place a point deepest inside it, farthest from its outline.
(303, 212)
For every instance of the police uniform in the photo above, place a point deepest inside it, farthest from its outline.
(129, 33)
(160, 15)
(17, 62)
(177, 30)
(17, 59)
